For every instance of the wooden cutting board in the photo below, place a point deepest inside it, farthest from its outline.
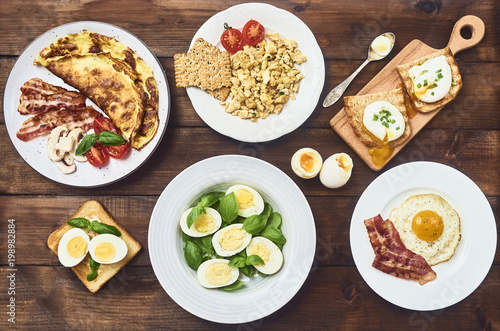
(388, 79)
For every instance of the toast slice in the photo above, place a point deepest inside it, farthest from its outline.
(354, 106)
(424, 107)
(94, 210)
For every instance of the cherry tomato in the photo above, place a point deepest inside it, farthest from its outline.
(231, 39)
(105, 124)
(253, 33)
(97, 155)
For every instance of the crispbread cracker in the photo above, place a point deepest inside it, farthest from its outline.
(422, 106)
(221, 93)
(93, 209)
(355, 106)
(204, 65)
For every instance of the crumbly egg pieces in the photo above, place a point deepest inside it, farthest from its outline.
(216, 273)
(206, 224)
(249, 201)
(384, 120)
(429, 226)
(432, 79)
(231, 240)
(306, 163)
(336, 170)
(107, 248)
(268, 252)
(73, 247)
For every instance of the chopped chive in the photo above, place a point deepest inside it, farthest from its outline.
(438, 71)
(375, 117)
(432, 93)
(440, 75)
(425, 82)
(419, 85)
(423, 72)
(397, 128)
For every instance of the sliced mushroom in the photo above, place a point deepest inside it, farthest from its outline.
(68, 159)
(66, 168)
(77, 135)
(52, 151)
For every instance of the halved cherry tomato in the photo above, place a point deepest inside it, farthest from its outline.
(105, 124)
(253, 33)
(231, 39)
(97, 155)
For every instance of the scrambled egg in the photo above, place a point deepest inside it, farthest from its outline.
(264, 78)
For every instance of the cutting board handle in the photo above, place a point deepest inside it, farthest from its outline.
(457, 43)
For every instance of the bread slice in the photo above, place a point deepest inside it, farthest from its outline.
(422, 106)
(355, 106)
(94, 210)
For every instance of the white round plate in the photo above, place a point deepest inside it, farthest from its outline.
(260, 296)
(295, 112)
(34, 151)
(456, 278)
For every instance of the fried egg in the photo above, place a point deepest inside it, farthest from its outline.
(73, 247)
(268, 252)
(231, 240)
(217, 273)
(428, 226)
(249, 201)
(432, 79)
(383, 120)
(336, 170)
(107, 248)
(306, 163)
(206, 224)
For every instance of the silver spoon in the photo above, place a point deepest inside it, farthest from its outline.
(337, 92)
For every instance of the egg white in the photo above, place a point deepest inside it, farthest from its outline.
(332, 174)
(62, 251)
(202, 271)
(258, 202)
(433, 71)
(224, 252)
(117, 242)
(372, 120)
(275, 257)
(192, 231)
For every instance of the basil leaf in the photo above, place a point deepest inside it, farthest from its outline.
(101, 228)
(206, 245)
(194, 214)
(192, 255)
(87, 142)
(248, 270)
(274, 220)
(186, 238)
(210, 198)
(93, 264)
(254, 259)
(267, 209)
(239, 219)
(261, 274)
(237, 261)
(234, 286)
(92, 275)
(254, 224)
(79, 222)
(274, 235)
(228, 208)
(109, 138)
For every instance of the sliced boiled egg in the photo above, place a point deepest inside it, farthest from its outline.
(336, 170)
(217, 273)
(268, 252)
(107, 248)
(206, 224)
(432, 79)
(381, 45)
(73, 247)
(384, 121)
(231, 240)
(250, 202)
(306, 163)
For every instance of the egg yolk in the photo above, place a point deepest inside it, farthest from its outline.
(427, 225)
(344, 163)
(261, 250)
(244, 198)
(105, 252)
(218, 273)
(205, 223)
(76, 247)
(307, 162)
(232, 239)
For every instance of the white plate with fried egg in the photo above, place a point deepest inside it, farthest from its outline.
(464, 271)
(260, 296)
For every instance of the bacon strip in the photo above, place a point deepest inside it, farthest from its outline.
(391, 255)
(43, 123)
(38, 86)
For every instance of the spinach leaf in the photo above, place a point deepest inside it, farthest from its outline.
(194, 214)
(254, 224)
(254, 259)
(93, 264)
(79, 222)
(234, 286)
(274, 220)
(228, 208)
(274, 235)
(91, 276)
(192, 255)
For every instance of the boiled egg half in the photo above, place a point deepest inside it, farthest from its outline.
(217, 273)
(384, 121)
(268, 252)
(107, 248)
(231, 240)
(432, 79)
(206, 224)
(336, 170)
(249, 201)
(73, 247)
(306, 163)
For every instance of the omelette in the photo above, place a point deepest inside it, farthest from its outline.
(111, 75)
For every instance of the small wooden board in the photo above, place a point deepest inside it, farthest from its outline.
(388, 79)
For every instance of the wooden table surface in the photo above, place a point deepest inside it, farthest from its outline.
(334, 296)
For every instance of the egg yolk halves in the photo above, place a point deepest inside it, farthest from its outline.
(244, 198)
(76, 247)
(232, 239)
(427, 225)
(105, 251)
(218, 273)
(205, 223)
(307, 162)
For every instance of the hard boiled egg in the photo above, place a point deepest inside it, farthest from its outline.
(306, 163)
(231, 240)
(383, 120)
(217, 273)
(432, 79)
(206, 224)
(250, 202)
(382, 45)
(336, 170)
(268, 252)
(107, 248)
(73, 247)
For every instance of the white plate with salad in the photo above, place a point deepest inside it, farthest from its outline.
(259, 295)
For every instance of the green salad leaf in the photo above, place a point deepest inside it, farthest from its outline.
(192, 255)
(228, 208)
(254, 224)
